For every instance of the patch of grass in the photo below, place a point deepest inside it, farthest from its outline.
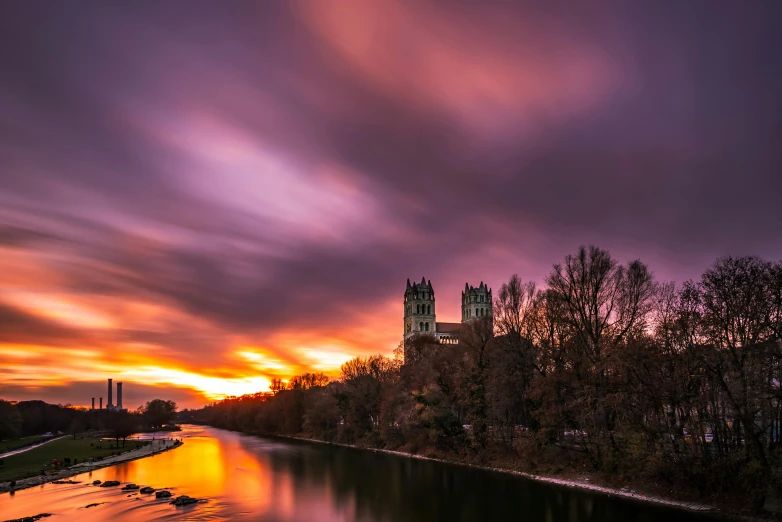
(14, 444)
(31, 463)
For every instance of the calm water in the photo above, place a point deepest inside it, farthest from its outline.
(251, 478)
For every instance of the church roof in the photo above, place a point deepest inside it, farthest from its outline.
(474, 290)
(423, 285)
(448, 327)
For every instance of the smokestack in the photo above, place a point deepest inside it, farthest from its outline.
(101, 403)
(93, 403)
(110, 405)
(119, 395)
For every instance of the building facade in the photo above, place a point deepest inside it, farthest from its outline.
(420, 316)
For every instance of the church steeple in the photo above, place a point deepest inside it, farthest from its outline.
(476, 302)
(420, 311)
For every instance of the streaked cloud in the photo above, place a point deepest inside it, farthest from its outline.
(201, 206)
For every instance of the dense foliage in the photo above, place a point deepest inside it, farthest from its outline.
(604, 370)
(157, 413)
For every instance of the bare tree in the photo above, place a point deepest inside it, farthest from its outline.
(475, 338)
(307, 381)
(276, 385)
(602, 304)
(775, 294)
(738, 303)
(512, 366)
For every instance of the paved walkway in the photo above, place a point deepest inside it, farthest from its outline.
(156, 446)
(28, 448)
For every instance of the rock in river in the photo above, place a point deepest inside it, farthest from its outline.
(183, 500)
(32, 518)
(162, 494)
(147, 489)
(110, 483)
(130, 486)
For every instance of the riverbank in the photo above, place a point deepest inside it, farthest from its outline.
(568, 483)
(61, 453)
(148, 450)
(24, 449)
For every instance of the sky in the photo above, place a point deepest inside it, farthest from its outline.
(197, 197)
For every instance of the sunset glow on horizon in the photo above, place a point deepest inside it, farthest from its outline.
(197, 208)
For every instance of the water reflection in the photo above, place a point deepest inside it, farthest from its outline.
(250, 478)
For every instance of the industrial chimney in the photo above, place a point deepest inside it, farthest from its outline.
(119, 395)
(93, 403)
(110, 405)
(101, 403)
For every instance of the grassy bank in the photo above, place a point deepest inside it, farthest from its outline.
(81, 449)
(15, 444)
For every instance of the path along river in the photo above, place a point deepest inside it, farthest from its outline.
(250, 478)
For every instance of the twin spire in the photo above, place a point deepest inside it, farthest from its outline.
(423, 282)
(428, 284)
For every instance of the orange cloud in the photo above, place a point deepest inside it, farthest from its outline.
(240, 367)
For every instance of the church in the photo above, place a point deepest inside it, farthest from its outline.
(420, 310)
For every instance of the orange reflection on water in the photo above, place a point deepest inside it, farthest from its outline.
(232, 478)
(203, 467)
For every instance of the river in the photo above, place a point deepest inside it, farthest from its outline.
(252, 478)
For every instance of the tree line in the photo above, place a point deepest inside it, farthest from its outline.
(603, 369)
(31, 418)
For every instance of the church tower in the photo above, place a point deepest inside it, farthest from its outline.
(419, 308)
(476, 302)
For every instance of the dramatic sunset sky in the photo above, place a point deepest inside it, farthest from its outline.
(196, 197)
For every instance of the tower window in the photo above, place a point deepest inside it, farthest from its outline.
(427, 327)
(418, 309)
(420, 326)
(429, 309)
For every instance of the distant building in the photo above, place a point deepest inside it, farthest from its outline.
(110, 406)
(420, 316)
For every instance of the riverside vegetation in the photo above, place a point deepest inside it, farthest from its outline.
(65, 451)
(86, 430)
(605, 371)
